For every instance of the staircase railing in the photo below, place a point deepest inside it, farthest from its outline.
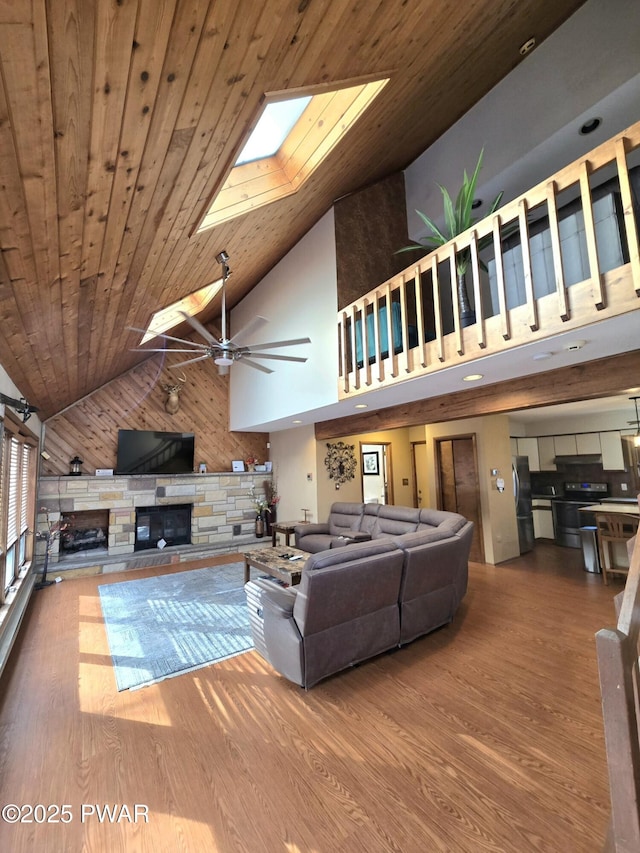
(563, 255)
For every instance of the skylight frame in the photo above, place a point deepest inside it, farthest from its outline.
(331, 113)
(170, 316)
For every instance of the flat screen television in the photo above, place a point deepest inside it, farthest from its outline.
(148, 452)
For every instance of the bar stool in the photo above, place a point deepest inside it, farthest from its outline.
(613, 528)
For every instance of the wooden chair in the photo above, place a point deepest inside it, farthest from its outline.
(614, 528)
(617, 651)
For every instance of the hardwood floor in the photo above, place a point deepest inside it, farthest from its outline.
(483, 736)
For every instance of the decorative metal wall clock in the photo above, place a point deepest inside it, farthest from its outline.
(340, 462)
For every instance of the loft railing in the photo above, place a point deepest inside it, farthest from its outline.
(560, 257)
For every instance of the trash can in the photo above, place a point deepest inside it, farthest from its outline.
(589, 544)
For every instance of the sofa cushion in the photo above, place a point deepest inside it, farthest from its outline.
(344, 517)
(421, 537)
(395, 520)
(437, 518)
(355, 551)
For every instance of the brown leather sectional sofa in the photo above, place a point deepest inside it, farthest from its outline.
(357, 599)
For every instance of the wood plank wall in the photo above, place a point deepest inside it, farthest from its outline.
(136, 401)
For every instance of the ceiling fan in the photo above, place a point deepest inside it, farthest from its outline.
(223, 350)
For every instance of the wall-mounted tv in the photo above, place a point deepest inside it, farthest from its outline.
(148, 452)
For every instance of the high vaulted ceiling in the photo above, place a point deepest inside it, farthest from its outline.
(119, 118)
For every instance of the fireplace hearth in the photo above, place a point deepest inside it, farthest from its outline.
(169, 523)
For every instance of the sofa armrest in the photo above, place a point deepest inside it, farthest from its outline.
(302, 530)
(279, 601)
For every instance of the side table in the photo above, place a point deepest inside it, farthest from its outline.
(286, 528)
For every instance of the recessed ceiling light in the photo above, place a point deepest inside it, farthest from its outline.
(528, 46)
(590, 125)
(473, 377)
(542, 356)
(296, 422)
(574, 345)
(361, 406)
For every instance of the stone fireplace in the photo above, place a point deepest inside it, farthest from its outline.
(220, 512)
(167, 524)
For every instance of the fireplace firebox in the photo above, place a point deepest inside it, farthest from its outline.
(84, 531)
(170, 523)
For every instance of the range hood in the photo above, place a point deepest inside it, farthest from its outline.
(579, 459)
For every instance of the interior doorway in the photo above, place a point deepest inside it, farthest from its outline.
(377, 478)
(458, 485)
(419, 471)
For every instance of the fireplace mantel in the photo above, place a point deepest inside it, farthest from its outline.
(222, 505)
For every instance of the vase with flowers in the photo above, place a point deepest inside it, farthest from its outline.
(273, 499)
(262, 509)
(251, 463)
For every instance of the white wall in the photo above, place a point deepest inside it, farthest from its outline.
(528, 124)
(293, 453)
(299, 298)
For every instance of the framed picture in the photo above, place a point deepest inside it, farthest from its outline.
(237, 465)
(371, 462)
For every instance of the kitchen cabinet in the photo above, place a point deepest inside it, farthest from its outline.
(588, 442)
(611, 447)
(542, 519)
(546, 453)
(565, 445)
(529, 447)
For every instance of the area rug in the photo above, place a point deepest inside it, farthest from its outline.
(160, 627)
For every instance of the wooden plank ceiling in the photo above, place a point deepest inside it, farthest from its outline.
(118, 118)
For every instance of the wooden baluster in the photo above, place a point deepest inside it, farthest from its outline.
(422, 346)
(554, 231)
(590, 236)
(526, 265)
(627, 207)
(477, 293)
(502, 293)
(437, 307)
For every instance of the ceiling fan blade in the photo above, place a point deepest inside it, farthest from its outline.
(290, 343)
(169, 338)
(189, 361)
(197, 325)
(166, 349)
(251, 363)
(249, 327)
(279, 357)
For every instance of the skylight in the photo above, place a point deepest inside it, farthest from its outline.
(273, 127)
(308, 129)
(170, 316)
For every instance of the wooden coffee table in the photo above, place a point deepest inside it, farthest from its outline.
(271, 561)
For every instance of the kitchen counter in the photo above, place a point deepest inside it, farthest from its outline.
(622, 508)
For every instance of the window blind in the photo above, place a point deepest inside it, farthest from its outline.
(14, 491)
(24, 490)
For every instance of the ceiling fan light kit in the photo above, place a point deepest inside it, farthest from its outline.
(224, 351)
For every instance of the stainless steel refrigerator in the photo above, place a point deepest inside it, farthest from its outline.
(522, 496)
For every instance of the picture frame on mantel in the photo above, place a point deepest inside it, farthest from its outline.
(237, 465)
(371, 462)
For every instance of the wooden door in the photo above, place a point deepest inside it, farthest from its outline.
(459, 489)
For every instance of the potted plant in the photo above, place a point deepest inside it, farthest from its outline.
(458, 217)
